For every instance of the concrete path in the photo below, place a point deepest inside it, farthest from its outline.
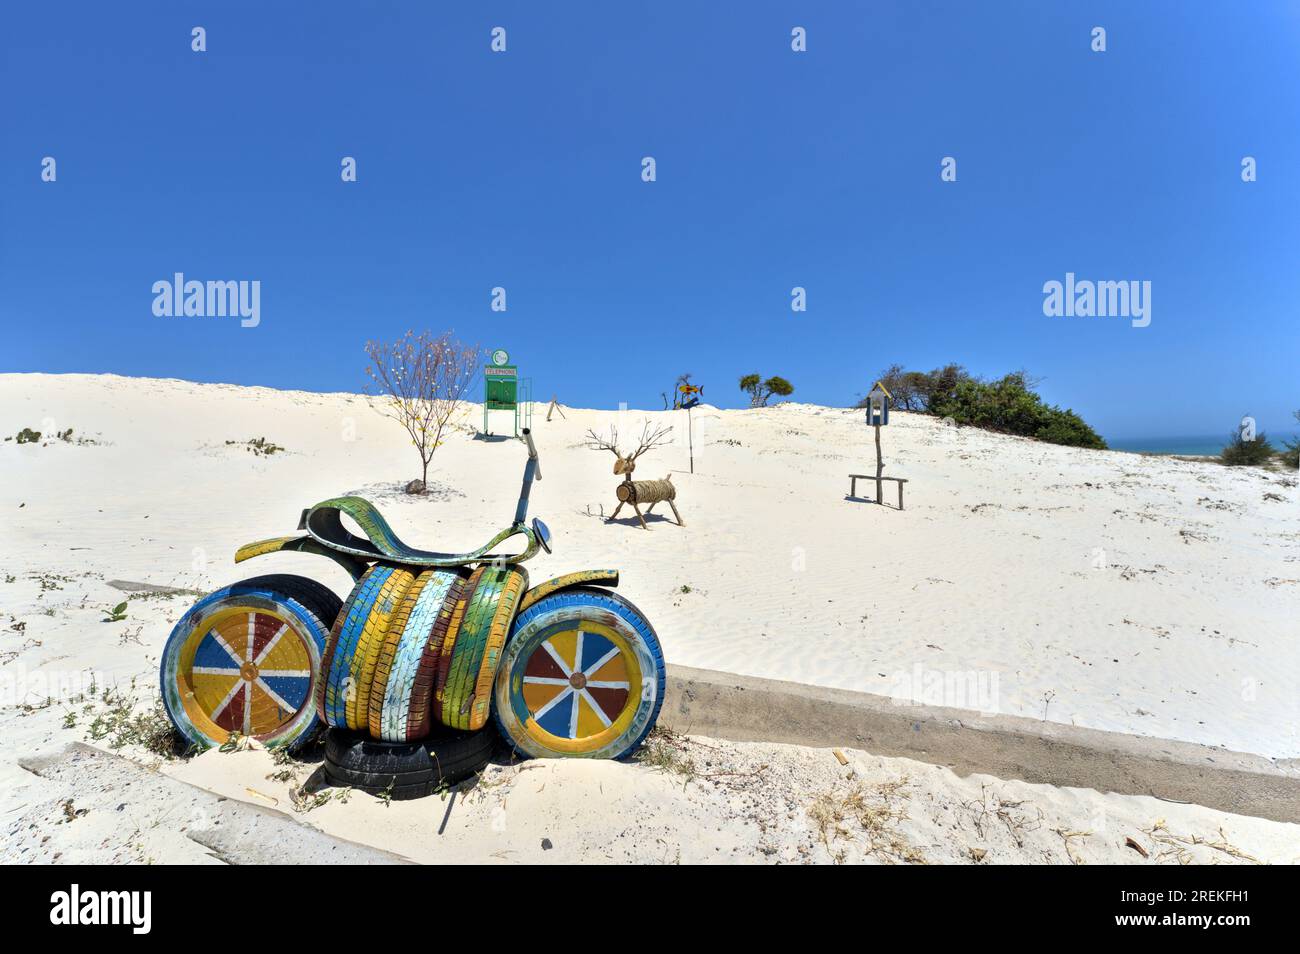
(746, 709)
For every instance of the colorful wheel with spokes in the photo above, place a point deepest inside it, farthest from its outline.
(583, 676)
(245, 660)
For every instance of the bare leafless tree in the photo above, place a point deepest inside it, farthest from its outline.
(422, 380)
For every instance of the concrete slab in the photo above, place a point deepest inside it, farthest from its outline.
(747, 709)
(232, 831)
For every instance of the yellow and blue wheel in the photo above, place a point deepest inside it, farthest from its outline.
(582, 677)
(336, 687)
(245, 661)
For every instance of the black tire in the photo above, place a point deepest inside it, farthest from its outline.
(323, 602)
(407, 769)
(397, 793)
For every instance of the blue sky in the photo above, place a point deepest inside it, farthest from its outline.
(775, 169)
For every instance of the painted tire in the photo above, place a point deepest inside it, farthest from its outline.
(378, 683)
(384, 616)
(420, 718)
(393, 716)
(336, 685)
(464, 697)
(582, 677)
(447, 649)
(246, 659)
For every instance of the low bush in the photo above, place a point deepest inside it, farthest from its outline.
(1239, 452)
(1009, 406)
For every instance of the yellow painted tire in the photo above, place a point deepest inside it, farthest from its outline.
(388, 653)
(582, 677)
(245, 660)
(370, 643)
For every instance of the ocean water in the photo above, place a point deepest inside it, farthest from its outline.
(1190, 446)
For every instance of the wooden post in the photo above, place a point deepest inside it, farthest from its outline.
(690, 436)
(553, 408)
(880, 467)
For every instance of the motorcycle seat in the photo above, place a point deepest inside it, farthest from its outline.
(324, 522)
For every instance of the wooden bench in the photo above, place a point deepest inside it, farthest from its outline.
(853, 486)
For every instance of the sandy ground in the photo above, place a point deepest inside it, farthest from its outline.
(694, 800)
(1105, 589)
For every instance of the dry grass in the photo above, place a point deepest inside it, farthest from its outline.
(1067, 837)
(992, 809)
(1183, 850)
(668, 752)
(869, 813)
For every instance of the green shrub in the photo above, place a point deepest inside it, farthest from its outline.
(1009, 406)
(760, 390)
(1239, 452)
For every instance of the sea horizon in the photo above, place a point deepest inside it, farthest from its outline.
(1196, 445)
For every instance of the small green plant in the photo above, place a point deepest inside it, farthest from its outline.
(116, 614)
(304, 801)
(761, 391)
(28, 436)
(289, 766)
(121, 725)
(259, 446)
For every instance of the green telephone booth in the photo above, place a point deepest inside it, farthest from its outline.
(502, 390)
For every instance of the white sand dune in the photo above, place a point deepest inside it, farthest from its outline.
(1110, 590)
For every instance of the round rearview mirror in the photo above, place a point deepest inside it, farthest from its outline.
(543, 533)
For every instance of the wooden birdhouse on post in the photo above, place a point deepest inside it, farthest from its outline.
(878, 407)
(877, 417)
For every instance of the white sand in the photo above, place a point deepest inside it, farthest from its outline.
(703, 801)
(1105, 589)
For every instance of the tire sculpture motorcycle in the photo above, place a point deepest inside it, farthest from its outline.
(426, 642)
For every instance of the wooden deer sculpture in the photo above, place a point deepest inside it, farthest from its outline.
(637, 492)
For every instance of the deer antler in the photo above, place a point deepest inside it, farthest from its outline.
(650, 439)
(599, 443)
